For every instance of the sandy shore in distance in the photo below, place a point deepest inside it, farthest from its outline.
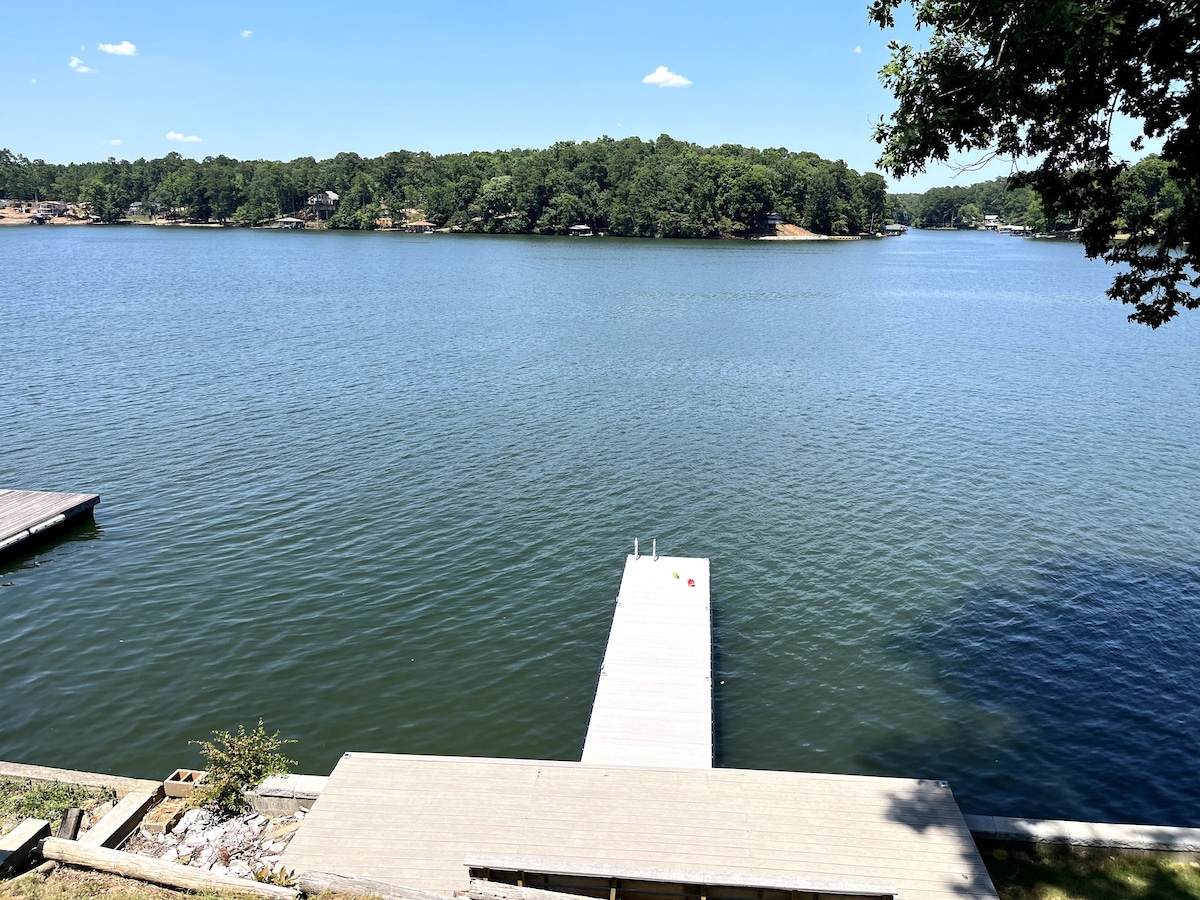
(787, 232)
(12, 217)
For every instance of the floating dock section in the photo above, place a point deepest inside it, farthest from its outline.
(24, 514)
(653, 704)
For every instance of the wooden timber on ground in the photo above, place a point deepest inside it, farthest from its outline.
(414, 820)
(314, 883)
(156, 871)
(115, 783)
(25, 514)
(68, 828)
(653, 703)
(673, 890)
(482, 889)
(19, 844)
(600, 878)
(121, 821)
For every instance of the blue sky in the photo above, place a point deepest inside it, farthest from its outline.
(88, 80)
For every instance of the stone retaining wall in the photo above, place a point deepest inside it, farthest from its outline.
(285, 795)
(1132, 839)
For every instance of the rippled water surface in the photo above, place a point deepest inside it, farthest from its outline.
(378, 488)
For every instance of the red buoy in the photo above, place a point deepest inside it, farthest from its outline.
(691, 582)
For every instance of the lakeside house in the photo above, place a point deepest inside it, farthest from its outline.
(421, 227)
(894, 230)
(580, 231)
(323, 204)
(289, 222)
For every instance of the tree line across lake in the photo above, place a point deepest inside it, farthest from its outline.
(631, 187)
(1147, 189)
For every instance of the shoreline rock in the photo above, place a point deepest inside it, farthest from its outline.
(240, 845)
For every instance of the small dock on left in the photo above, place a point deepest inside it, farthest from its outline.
(25, 514)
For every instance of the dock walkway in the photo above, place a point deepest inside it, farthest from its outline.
(417, 820)
(24, 514)
(653, 703)
(644, 814)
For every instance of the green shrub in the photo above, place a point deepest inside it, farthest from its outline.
(238, 763)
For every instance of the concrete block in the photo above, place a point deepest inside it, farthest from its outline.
(278, 786)
(283, 795)
(183, 782)
(309, 787)
(163, 817)
(273, 807)
(983, 827)
(1109, 835)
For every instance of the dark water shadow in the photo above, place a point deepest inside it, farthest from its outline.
(37, 551)
(1072, 695)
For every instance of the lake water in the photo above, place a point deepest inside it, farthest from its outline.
(378, 489)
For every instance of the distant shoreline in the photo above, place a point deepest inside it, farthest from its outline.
(9, 217)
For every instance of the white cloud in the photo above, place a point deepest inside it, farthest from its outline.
(115, 142)
(33, 81)
(664, 77)
(182, 138)
(122, 49)
(858, 49)
(247, 33)
(77, 64)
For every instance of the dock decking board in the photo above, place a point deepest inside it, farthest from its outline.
(413, 820)
(653, 703)
(24, 514)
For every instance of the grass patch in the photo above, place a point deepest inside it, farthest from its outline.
(1044, 874)
(23, 799)
(69, 883)
(66, 883)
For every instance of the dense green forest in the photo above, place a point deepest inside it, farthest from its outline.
(1146, 186)
(659, 188)
(630, 187)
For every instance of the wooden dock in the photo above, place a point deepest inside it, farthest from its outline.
(644, 816)
(653, 703)
(24, 514)
(424, 821)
